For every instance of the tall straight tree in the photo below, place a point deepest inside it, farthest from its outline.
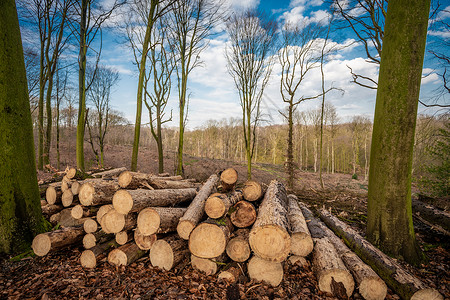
(20, 209)
(252, 40)
(389, 202)
(146, 13)
(191, 22)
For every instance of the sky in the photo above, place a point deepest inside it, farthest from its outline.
(213, 94)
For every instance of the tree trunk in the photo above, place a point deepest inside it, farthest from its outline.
(50, 241)
(243, 214)
(263, 270)
(401, 281)
(290, 147)
(96, 192)
(238, 248)
(144, 242)
(218, 206)
(125, 201)
(269, 237)
(252, 191)
(389, 198)
(89, 258)
(159, 219)
(210, 238)
(195, 210)
(168, 252)
(125, 255)
(301, 241)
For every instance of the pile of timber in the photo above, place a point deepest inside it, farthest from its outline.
(222, 228)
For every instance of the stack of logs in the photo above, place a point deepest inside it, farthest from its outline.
(218, 231)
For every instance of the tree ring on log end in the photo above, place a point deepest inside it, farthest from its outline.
(270, 242)
(207, 241)
(214, 207)
(148, 221)
(161, 255)
(124, 179)
(301, 244)
(86, 194)
(429, 294)
(122, 201)
(88, 259)
(263, 270)
(41, 244)
(373, 288)
(184, 229)
(113, 221)
(117, 257)
(50, 195)
(338, 275)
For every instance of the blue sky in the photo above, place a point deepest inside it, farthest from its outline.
(214, 96)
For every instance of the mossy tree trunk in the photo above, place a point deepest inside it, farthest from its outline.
(390, 225)
(20, 212)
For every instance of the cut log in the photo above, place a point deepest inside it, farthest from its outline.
(79, 211)
(232, 273)
(269, 237)
(109, 173)
(299, 260)
(252, 190)
(263, 270)
(102, 211)
(64, 218)
(92, 239)
(238, 248)
(125, 201)
(43, 202)
(50, 241)
(209, 239)
(89, 258)
(134, 180)
(217, 206)
(90, 225)
(243, 214)
(51, 209)
(144, 242)
(67, 198)
(439, 218)
(53, 194)
(89, 241)
(159, 219)
(228, 179)
(168, 252)
(72, 173)
(122, 237)
(114, 222)
(125, 255)
(405, 284)
(75, 187)
(65, 184)
(195, 210)
(301, 241)
(97, 192)
(209, 266)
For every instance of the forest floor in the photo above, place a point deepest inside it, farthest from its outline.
(60, 276)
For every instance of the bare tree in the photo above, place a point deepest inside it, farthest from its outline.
(191, 23)
(252, 41)
(161, 72)
(60, 93)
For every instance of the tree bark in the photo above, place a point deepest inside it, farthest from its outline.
(125, 201)
(405, 284)
(238, 248)
(243, 214)
(217, 206)
(125, 255)
(301, 241)
(389, 197)
(89, 258)
(195, 210)
(209, 239)
(159, 219)
(168, 252)
(269, 237)
(263, 270)
(50, 241)
(96, 192)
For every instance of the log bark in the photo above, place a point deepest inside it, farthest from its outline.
(437, 217)
(263, 270)
(144, 242)
(228, 179)
(301, 241)
(122, 237)
(125, 201)
(152, 220)
(238, 248)
(195, 210)
(209, 239)
(90, 257)
(50, 241)
(51, 209)
(243, 214)
(97, 192)
(218, 206)
(168, 252)
(269, 237)
(79, 211)
(252, 190)
(133, 180)
(405, 284)
(110, 173)
(53, 194)
(209, 266)
(114, 222)
(125, 255)
(90, 225)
